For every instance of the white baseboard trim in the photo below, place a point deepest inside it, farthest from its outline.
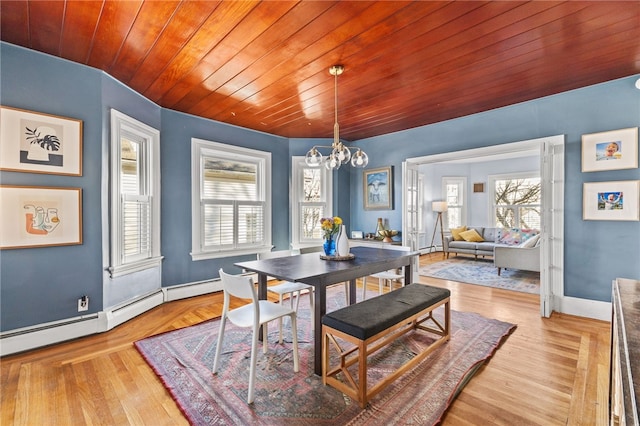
(27, 338)
(184, 291)
(584, 308)
(131, 309)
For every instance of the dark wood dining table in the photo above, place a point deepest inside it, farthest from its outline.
(312, 270)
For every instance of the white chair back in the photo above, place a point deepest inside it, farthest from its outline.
(274, 254)
(238, 286)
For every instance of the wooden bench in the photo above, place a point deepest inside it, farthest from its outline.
(366, 327)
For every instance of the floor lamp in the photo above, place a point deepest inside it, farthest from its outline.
(438, 207)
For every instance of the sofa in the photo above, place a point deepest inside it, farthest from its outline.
(523, 258)
(510, 247)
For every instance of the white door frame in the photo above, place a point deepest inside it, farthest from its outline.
(551, 152)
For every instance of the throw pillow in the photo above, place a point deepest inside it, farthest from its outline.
(509, 237)
(516, 236)
(471, 236)
(531, 242)
(455, 232)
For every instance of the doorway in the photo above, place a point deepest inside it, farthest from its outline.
(551, 154)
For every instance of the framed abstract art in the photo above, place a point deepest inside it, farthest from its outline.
(35, 142)
(39, 216)
(378, 189)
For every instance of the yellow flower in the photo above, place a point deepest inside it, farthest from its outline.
(330, 225)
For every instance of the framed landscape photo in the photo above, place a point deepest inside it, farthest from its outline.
(39, 216)
(378, 189)
(35, 142)
(611, 200)
(613, 150)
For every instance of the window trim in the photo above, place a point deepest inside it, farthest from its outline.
(516, 175)
(200, 147)
(462, 182)
(150, 156)
(298, 165)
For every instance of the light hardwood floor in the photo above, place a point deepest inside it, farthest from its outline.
(550, 371)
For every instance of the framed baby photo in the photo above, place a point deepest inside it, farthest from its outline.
(613, 150)
(35, 142)
(611, 200)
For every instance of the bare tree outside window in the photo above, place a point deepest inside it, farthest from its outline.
(517, 203)
(312, 205)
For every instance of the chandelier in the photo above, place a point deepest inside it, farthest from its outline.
(340, 153)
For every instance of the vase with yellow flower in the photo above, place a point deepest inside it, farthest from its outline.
(330, 227)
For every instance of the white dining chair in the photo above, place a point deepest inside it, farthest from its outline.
(255, 314)
(386, 276)
(320, 249)
(294, 290)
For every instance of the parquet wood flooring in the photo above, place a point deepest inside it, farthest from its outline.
(550, 371)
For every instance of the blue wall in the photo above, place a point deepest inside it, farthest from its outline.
(44, 284)
(40, 285)
(596, 252)
(176, 133)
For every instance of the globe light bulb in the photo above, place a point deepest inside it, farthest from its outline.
(360, 159)
(313, 158)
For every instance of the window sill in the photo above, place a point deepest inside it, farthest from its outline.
(130, 268)
(204, 255)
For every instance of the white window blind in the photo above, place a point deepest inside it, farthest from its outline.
(135, 200)
(312, 199)
(233, 213)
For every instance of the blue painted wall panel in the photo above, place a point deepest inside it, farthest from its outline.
(596, 252)
(43, 284)
(176, 134)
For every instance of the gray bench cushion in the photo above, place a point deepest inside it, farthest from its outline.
(370, 317)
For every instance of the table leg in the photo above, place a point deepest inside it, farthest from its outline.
(408, 273)
(352, 292)
(262, 295)
(320, 310)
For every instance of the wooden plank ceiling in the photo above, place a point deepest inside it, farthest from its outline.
(264, 65)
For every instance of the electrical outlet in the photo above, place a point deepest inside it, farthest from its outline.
(83, 304)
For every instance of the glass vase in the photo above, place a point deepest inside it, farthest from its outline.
(329, 246)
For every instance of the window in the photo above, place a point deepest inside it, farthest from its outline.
(231, 195)
(135, 195)
(312, 189)
(516, 200)
(455, 195)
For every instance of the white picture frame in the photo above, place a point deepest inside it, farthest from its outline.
(619, 200)
(612, 150)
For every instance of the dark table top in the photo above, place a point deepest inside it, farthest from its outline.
(310, 269)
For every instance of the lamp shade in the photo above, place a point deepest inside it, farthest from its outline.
(439, 206)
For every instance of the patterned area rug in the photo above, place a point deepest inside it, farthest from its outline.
(482, 272)
(183, 360)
